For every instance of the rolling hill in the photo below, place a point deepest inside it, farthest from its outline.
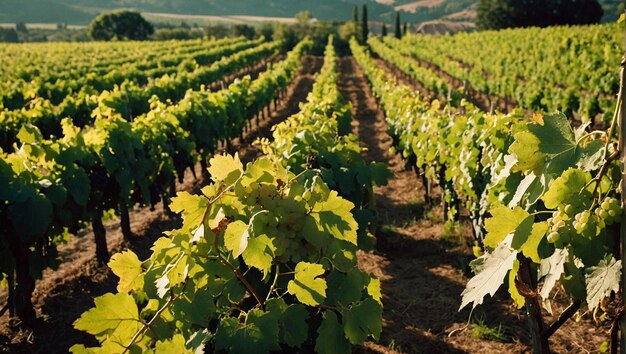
(81, 11)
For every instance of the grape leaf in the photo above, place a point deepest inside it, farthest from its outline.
(526, 153)
(530, 248)
(373, 289)
(518, 299)
(260, 253)
(601, 280)
(566, 189)
(225, 168)
(363, 320)
(236, 237)
(127, 267)
(334, 217)
(193, 208)
(344, 289)
(293, 326)
(309, 289)
(259, 334)
(331, 338)
(492, 269)
(503, 221)
(552, 268)
(114, 316)
(174, 345)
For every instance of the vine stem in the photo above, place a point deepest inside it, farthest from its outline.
(622, 135)
(238, 274)
(149, 324)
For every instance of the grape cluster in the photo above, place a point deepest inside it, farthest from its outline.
(610, 210)
(570, 221)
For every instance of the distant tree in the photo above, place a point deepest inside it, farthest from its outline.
(304, 24)
(21, 27)
(498, 14)
(405, 29)
(242, 30)
(216, 31)
(8, 35)
(355, 14)
(384, 30)
(365, 31)
(120, 25)
(398, 32)
(61, 26)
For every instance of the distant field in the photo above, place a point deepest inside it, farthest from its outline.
(158, 17)
(46, 26)
(203, 20)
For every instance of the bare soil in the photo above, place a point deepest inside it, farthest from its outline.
(64, 294)
(423, 265)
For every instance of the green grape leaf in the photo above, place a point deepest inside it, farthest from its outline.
(380, 173)
(309, 289)
(526, 153)
(552, 268)
(591, 156)
(192, 207)
(345, 288)
(78, 186)
(566, 189)
(259, 334)
(331, 338)
(530, 248)
(225, 168)
(601, 280)
(236, 237)
(503, 221)
(29, 134)
(260, 253)
(293, 326)
(334, 217)
(518, 299)
(490, 270)
(362, 320)
(373, 289)
(127, 267)
(174, 345)
(115, 316)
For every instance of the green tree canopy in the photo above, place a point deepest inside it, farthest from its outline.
(398, 31)
(8, 35)
(364, 25)
(120, 25)
(498, 14)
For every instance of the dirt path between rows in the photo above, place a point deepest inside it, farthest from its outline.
(64, 294)
(423, 266)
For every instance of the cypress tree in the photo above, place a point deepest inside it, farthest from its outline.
(398, 32)
(384, 30)
(364, 25)
(355, 15)
(405, 30)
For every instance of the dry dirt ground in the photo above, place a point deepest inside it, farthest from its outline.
(64, 294)
(423, 265)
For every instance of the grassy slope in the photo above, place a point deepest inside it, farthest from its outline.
(81, 11)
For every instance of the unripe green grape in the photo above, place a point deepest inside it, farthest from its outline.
(569, 209)
(553, 237)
